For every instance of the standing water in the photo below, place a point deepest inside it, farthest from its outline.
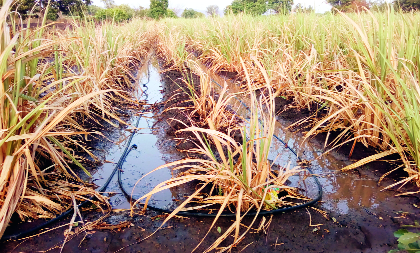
(151, 151)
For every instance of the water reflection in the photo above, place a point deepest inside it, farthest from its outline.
(145, 158)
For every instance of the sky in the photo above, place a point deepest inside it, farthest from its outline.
(320, 5)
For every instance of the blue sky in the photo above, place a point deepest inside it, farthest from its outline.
(200, 5)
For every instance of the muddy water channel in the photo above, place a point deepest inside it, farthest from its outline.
(152, 149)
(358, 217)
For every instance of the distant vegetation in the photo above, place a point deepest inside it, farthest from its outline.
(190, 13)
(378, 5)
(117, 13)
(258, 7)
(25, 7)
(159, 8)
(212, 10)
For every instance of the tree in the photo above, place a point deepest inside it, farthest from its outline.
(212, 10)
(280, 6)
(117, 14)
(407, 5)
(359, 5)
(158, 8)
(127, 9)
(253, 7)
(341, 5)
(190, 13)
(26, 7)
(349, 5)
(171, 14)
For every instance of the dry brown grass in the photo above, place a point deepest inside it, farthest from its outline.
(239, 175)
(356, 71)
(42, 98)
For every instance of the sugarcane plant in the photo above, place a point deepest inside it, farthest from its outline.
(32, 105)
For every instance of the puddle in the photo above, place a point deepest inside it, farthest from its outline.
(150, 153)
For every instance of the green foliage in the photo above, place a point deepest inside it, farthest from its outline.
(127, 9)
(258, 7)
(190, 13)
(281, 6)
(341, 5)
(349, 5)
(118, 14)
(407, 241)
(407, 5)
(158, 8)
(66, 7)
(171, 14)
(52, 14)
(253, 7)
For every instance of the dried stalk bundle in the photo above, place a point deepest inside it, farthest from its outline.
(56, 197)
(239, 174)
(204, 104)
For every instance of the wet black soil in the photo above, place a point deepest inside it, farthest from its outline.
(359, 216)
(357, 231)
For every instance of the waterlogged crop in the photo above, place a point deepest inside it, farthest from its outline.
(362, 75)
(239, 175)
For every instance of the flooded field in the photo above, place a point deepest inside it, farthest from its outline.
(353, 216)
(234, 133)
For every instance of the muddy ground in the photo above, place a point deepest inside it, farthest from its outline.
(358, 231)
(360, 218)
